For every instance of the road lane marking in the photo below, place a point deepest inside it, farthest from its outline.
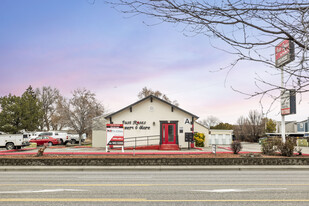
(41, 191)
(147, 185)
(238, 190)
(138, 200)
(71, 200)
(81, 185)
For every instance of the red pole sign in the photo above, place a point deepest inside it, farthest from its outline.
(284, 53)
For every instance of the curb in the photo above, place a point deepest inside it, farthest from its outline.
(16, 150)
(109, 153)
(148, 168)
(8, 152)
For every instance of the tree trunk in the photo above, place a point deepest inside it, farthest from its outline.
(80, 139)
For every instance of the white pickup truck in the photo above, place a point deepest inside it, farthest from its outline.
(75, 138)
(12, 141)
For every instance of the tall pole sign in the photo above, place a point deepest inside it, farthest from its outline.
(285, 54)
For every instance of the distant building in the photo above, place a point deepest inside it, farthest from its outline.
(290, 127)
(294, 128)
(220, 137)
(303, 127)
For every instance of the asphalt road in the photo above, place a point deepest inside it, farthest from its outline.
(155, 188)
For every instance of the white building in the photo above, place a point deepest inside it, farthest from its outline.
(150, 122)
(220, 137)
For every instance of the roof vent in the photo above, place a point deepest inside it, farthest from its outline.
(151, 108)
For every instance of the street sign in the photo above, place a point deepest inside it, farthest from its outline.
(188, 137)
(214, 149)
(284, 53)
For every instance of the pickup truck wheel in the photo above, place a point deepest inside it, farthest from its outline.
(9, 146)
(50, 144)
(61, 141)
(73, 141)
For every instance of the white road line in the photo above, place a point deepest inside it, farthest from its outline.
(239, 190)
(41, 191)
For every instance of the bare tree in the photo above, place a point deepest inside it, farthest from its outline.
(59, 119)
(210, 121)
(80, 111)
(256, 124)
(250, 128)
(240, 130)
(146, 92)
(48, 98)
(249, 29)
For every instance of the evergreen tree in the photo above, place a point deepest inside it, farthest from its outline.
(31, 110)
(20, 113)
(270, 126)
(222, 125)
(10, 115)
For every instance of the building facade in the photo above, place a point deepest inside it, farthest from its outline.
(294, 128)
(150, 122)
(220, 137)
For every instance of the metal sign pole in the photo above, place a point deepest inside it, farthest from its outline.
(282, 115)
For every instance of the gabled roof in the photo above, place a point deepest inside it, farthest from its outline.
(154, 97)
(201, 125)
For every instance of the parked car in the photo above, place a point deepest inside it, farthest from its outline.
(41, 140)
(61, 136)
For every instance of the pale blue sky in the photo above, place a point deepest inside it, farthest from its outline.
(73, 44)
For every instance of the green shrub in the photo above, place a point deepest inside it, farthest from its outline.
(269, 146)
(287, 148)
(273, 145)
(236, 147)
(199, 139)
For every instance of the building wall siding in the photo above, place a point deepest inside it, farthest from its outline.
(149, 114)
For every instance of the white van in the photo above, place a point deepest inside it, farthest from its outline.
(63, 137)
(14, 141)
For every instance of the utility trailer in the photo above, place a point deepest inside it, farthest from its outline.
(14, 141)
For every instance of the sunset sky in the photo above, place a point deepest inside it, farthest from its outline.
(70, 44)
